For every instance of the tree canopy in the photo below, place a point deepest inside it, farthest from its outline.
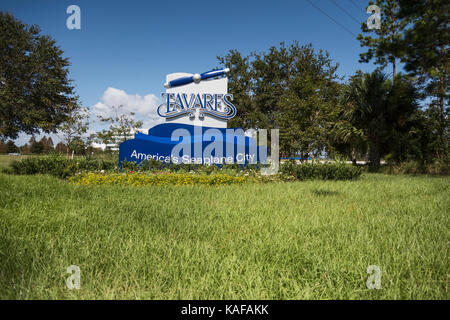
(35, 90)
(296, 89)
(293, 88)
(416, 32)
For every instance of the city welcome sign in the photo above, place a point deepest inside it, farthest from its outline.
(195, 109)
(181, 103)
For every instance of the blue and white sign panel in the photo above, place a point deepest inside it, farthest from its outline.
(196, 108)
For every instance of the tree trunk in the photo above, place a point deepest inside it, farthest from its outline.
(393, 70)
(441, 94)
(68, 139)
(392, 39)
(353, 156)
(374, 156)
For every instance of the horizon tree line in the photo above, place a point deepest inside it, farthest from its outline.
(397, 116)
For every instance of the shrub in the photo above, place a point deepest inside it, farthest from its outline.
(152, 165)
(59, 166)
(415, 167)
(322, 171)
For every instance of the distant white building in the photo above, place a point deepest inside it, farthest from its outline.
(115, 146)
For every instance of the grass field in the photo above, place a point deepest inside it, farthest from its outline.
(5, 159)
(304, 240)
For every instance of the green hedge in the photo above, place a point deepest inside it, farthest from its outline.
(322, 171)
(152, 165)
(415, 167)
(62, 167)
(59, 166)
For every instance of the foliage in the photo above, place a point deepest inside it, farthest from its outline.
(427, 60)
(293, 88)
(59, 166)
(427, 42)
(121, 127)
(60, 147)
(345, 138)
(322, 171)
(161, 179)
(37, 147)
(47, 144)
(417, 33)
(74, 129)
(325, 171)
(34, 87)
(386, 46)
(380, 109)
(415, 167)
(152, 165)
(11, 147)
(62, 167)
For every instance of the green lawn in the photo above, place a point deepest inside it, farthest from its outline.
(5, 159)
(304, 240)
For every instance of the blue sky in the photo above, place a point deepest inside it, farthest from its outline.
(129, 46)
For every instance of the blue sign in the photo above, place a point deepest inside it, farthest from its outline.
(180, 143)
(195, 109)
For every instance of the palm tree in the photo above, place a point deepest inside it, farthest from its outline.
(378, 109)
(368, 93)
(346, 137)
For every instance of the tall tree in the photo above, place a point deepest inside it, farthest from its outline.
(43, 141)
(60, 147)
(427, 56)
(25, 149)
(36, 147)
(292, 88)
(2, 146)
(121, 126)
(11, 147)
(384, 45)
(74, 128)
(50, 144)
(240, 83)
(344, 136)
(78, 146)
(308, 104)
(380, 109)
(417, 33)
(47, 143)
(34, 87)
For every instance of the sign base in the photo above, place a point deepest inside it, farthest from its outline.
(182, 143)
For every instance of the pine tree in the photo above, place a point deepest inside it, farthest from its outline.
(426, 59)
(384, 45)
(11, 147)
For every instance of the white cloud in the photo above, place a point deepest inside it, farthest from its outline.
(143, 107)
